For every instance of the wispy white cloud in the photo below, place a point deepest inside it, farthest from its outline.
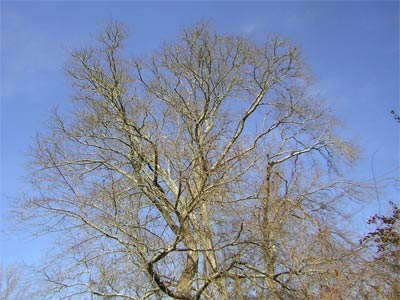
(250, 27)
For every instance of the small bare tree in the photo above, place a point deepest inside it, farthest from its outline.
(206, 171)
(14, 284)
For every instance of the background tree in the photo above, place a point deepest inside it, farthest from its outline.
(14, 284)
(386, 239)
(205, 171)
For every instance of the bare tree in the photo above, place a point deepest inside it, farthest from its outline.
(206, 171)
(14, 284)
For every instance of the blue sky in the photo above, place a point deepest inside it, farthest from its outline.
(352, 49)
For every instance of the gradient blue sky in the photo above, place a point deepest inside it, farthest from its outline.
(352, 49)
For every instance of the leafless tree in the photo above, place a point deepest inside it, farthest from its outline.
(205, 171)
(14, 284)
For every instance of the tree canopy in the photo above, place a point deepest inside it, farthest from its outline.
(207, 170)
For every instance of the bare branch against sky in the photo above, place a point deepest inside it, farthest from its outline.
(203, 161)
